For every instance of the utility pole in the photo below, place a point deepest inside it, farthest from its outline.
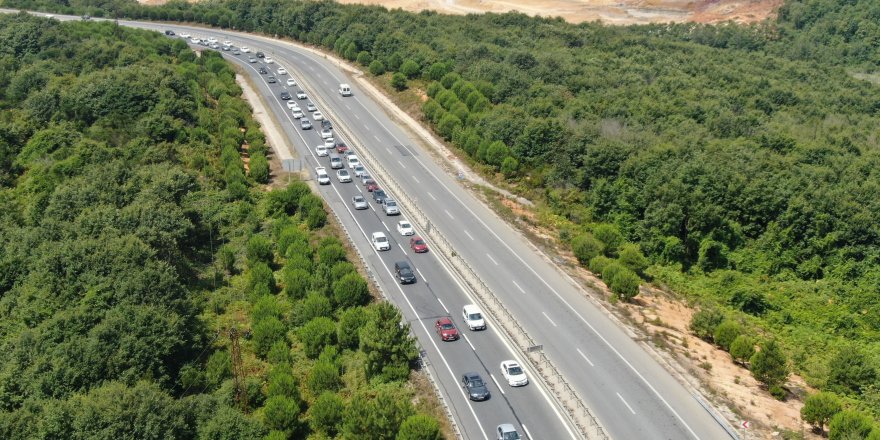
(238, 376)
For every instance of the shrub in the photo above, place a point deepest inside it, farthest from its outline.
(316, 334)
(631, 256)
(704, 322)
(259, 168)
(742, 348)
(351, 290)
(323, 376)
(850, 370)
(266, 333)
(849, 424)
(625, 283)
(819, 408)
(610, 236)
(419, 427)
(325, 413)
(313, 306)
(410, 68)
(377, 68)
(350, 323)
(726, 333)
(398, 81)
(586, 247)
(769, 364)
(598, 264)
(259, 250)
(364, 58)
(281, 413)
(296, 282)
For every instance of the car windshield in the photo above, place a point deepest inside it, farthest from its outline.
(358, 199)
(447, 326)
(405, 225)
(474, 316)
(510, 436)
(419, 242)
(381, 239)
(476, 382)
(391, 203)
(515, 370)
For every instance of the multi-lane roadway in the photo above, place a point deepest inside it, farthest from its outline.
(633, 396)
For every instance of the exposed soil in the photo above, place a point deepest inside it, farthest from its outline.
(607, 11)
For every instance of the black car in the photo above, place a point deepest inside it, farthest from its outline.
(169, 33)
(271, 80)
(285, 96)
(263, 71)
(326, 124)
(379, 195)
(261, 55)
(475, 387)
(404, 272)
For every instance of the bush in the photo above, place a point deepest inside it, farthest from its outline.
(323, 376)
(260, 281)
(313, 306)
(726, 333)
(282, 383)
(819, 408)
(296, 282)
(610, 236)
(598, 264)
(266, 333)
(509, 166)
(410, 68)
(742, 348)
(377, 68)
(850, 370)
(316, 334)
(625, 283)
(586, 247)
(364, 58)
(259, 250)
(419, 427)
(769, 364)
(350, 323)
(849, 424)
(351, 290)
(705, 321)
(259, 168)
(325, 414)
(631, 256)
(282, 414)
(398, 81)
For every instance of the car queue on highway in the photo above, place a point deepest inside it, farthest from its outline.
(332, 153)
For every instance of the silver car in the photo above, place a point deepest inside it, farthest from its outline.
(359, 202)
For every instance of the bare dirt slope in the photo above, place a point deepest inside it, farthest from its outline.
(607, 11)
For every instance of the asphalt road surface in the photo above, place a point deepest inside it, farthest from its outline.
(633, 396)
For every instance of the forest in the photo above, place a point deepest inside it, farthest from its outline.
(736, 165)
(150, 285)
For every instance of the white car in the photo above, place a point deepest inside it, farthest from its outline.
(311, 107)
(185, 35)
(269, 60)
(282, 71)
(359, 202)
(359, 171)
(292, 105)
(245, 49)
(405, 228)
(321, 176)
(380, 241)
(326, 134)
(352, 161)
(473, 317)
(343, 176)
(297, 114)
(212, 40)
(329, 142)
(318, 116)
(301, 95)
(515, 375)
(195, 40)
(321, 151)
(227, 43)
(291, 82)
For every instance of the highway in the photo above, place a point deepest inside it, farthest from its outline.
(632, 395)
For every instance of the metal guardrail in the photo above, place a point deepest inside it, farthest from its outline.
(565, 395)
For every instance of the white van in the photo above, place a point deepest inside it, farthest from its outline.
(344, 89)
(473, 317)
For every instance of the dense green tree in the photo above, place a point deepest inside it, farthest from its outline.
(819, 408)
(323, 376)
(230, 424)
(419, 427)
(769, 364)
(325, 414)
(348, 330)
(850, 370)
(631, 256)
(849, 424)
(317, 334)
(351, 290)
(377, 68)
(410, 68)
(727, 332)
(386, 343)
(586, 247)
(282, 413)
(398, 81)
(742, 348)
(266, 333)
(705, 321)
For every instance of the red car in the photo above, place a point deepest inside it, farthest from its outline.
(446, 329)
(341, 148)
(418, 245)
(372, 186)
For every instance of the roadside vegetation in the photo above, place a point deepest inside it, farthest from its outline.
(736, 165)
(137, 249)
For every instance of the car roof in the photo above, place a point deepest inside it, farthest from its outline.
(506, 427)
(401, 264)
(378, 234)
(472, 376)
(471, 308)
(444, 320)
